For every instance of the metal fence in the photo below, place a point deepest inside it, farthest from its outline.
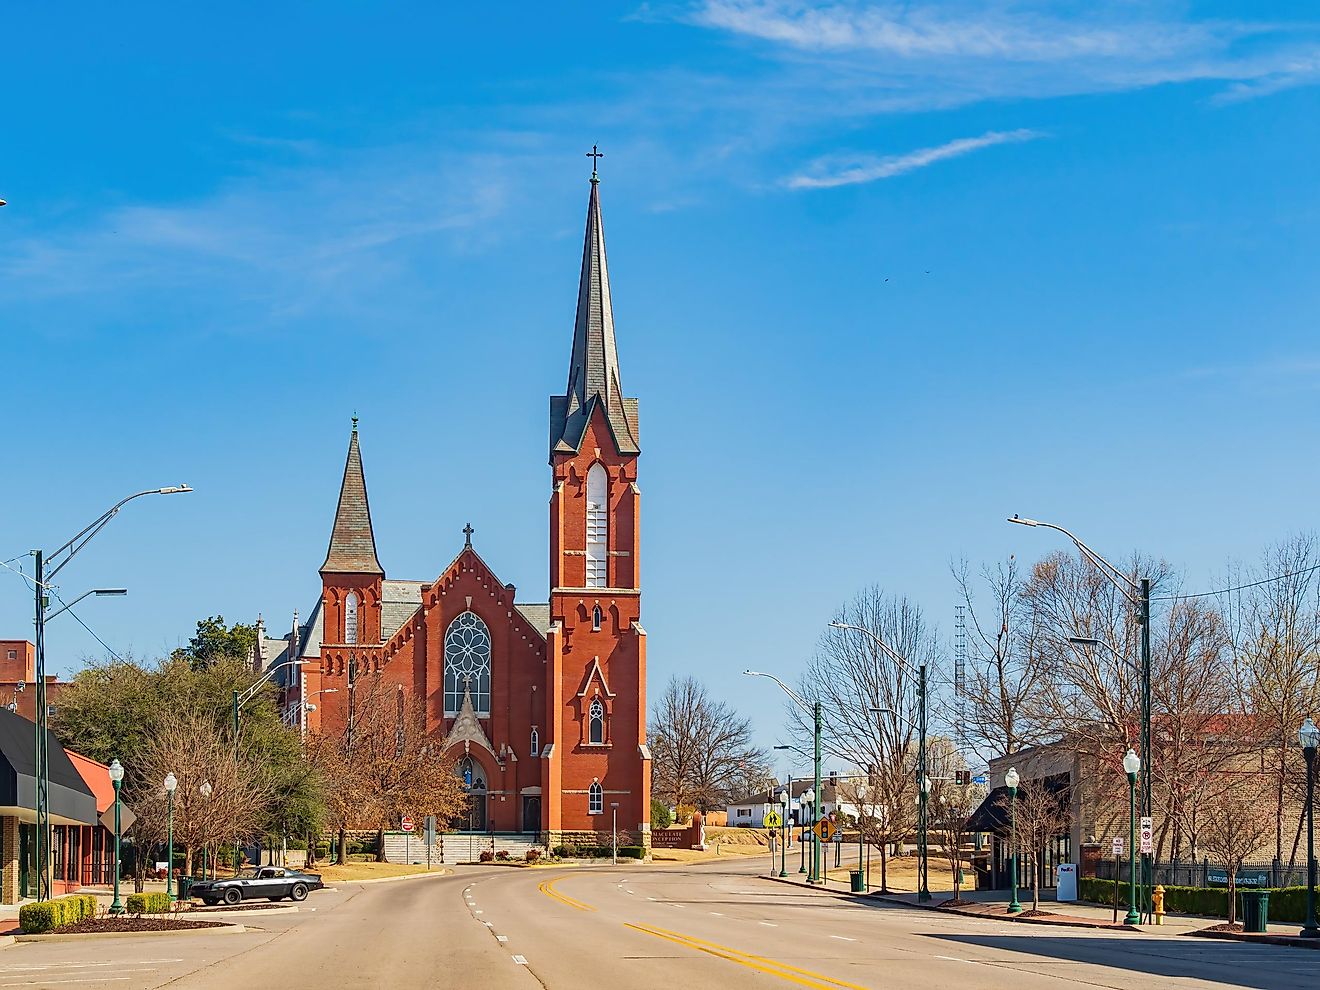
(1208, 874)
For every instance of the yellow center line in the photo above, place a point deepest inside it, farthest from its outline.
(548, 888)
(802, 977)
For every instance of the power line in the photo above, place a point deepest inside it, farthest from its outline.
(1240, 587)
(89, 629)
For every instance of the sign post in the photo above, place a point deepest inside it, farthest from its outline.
(430, 839)
(1118, 868)
(406, 826)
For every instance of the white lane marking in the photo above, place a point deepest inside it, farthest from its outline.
(478, 912)
(520, 960)
(88, 979)
(717, 914)
(488, 924)
(630, 892)
(970, 962)
(651, 898)
(843, 938)
(769, 924)
(501, 938)
(4, 970)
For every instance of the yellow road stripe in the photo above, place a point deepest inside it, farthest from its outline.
(792, 974)
(548, 888)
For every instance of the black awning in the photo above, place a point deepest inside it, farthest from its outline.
(992, 815)
(71, 800)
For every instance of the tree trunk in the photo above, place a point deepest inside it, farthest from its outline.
(311, 850)
(1232, 896)
(884, 864)
(342, 856)
(1037, 863)
(380, 845)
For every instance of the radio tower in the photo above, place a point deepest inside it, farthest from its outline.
(960, 672)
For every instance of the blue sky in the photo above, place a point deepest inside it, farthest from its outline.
(883, 275)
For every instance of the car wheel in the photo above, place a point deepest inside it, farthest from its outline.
(210, 901)
(233, 895)
(299, 892)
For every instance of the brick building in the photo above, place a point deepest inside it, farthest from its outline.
(18, 678)
(543, 704)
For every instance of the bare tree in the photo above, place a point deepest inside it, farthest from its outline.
(1041, 816)
(701, 749)
(950, 808)
(1236, 820)
(869, 701)
(1006, 666)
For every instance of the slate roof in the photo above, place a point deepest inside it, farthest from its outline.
(352, 543)
(399, 602)
(593, 370)
(538, 615)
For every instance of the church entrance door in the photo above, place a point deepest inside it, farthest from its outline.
(531, 814)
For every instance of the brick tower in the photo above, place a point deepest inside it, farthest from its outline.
(596, 647)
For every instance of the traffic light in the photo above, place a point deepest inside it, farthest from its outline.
(962, 777)
(834, 778)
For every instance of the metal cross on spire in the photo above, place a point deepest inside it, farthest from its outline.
(467, 533)
(595, 155)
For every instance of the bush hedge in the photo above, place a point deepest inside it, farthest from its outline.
(1287, 904)
(631, 852)
(154, 903)
(598, 852)
(45, 916)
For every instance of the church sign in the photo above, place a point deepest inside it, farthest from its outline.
(671, 838)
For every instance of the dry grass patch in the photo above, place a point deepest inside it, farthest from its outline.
(370, 871)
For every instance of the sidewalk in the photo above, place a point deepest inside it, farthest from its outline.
(1073, 914)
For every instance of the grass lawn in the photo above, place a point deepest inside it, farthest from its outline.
(369, 871)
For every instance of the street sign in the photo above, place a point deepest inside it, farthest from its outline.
(772, 819)
(838, 836)
(980, 779)
(430, 829)
(825, 829)
(1147, 842)
(1118, 846)
(407, 825)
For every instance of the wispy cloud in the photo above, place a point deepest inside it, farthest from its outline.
(827, 173)
(915, 55)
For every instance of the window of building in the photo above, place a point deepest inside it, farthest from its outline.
(467, 664)
(596, 617)
(535, 747)
(351, 617)
(13, 654)
(469, 771)
(596, 718)
(595, 799)
(597, 527)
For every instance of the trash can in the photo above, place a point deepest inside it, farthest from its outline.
(1255, 910)
(858, 879)
(184, 887)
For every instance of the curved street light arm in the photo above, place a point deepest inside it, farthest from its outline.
(787, 690)
(892, 653)
(1120, 580)
(250, 693)
(70, 549)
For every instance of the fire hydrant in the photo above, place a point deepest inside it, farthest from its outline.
(1158, 898)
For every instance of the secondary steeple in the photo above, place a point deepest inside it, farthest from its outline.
(352, 543)
(593, 370)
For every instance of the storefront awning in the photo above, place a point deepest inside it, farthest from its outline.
(71, 800)
(992, 815)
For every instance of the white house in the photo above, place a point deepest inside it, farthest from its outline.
(750, 811)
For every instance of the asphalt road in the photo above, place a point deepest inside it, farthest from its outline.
(716, 924)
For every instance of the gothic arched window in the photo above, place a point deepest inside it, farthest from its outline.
(351, 617)
(595, 799)
(598, 528)
(467, 664)
(596, 720)
(596, 617)
(536, 742)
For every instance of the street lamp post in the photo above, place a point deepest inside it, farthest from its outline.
(205, 791)
(809, 816)
(171, 782)
(1131, 767)
(923, 831)
(45, 567)
(1309, 737)
(1011, 781)
(116, 778)
(1137, 594)
(783, 831)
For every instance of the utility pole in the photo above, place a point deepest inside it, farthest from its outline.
(1146, 755)
(923, 886)
(42, 730)
(815, 842)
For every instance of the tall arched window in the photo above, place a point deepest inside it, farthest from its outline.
(351, 617)
(595, 799)
(596, 617)
(467, 664)
(470, 773)
(596, 720)
(536, 742)
(598, 528)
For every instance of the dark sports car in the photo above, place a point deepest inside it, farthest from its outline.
(273, 882)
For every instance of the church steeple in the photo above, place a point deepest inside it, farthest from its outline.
(352, 543)
(593, 370)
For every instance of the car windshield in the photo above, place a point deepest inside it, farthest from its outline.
(247, 875)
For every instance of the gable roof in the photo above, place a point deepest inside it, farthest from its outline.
(352, 542)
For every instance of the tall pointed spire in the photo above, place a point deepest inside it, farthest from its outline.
(352, 543)
(593, 370)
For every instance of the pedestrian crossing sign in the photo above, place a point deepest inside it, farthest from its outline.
(772, 819)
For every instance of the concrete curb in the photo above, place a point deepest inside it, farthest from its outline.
(203, 914)
(1018, 919)
(441, 872)
(1265, 938)
(80, 936)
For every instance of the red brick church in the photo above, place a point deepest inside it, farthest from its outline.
(543, 704)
